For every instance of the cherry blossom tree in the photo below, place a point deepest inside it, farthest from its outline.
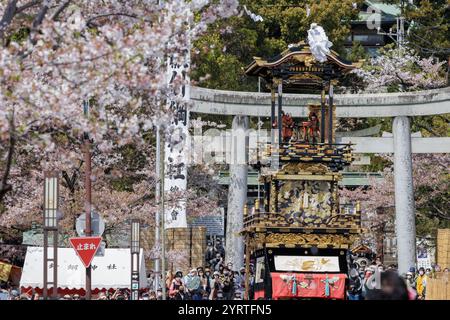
(431, 193)
(402, 69)
(112, 54)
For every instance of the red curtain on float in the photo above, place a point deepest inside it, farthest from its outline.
(308, 285)
(259, 294)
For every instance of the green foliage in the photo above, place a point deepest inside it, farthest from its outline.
(20, 35)
(429, 30)
(229, 46)
(357, 52)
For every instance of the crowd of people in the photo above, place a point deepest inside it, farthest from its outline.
(378, 282)
(218, 280)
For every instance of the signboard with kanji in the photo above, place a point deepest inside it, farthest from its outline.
(175, 160)
(86, 247)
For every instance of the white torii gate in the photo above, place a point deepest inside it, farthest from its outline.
(399, 106)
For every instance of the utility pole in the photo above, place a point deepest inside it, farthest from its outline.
(88, 197)
(399, 35)
(158, 274)
(163, 218)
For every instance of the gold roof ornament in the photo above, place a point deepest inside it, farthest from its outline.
(298, 67)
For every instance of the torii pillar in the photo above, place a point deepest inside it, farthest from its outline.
(237, 192)
(405, 217)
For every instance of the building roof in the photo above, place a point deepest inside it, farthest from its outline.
(298, 67)
(388, 12)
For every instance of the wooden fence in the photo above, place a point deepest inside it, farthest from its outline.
(438, 288)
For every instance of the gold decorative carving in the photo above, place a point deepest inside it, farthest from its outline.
(308, 239)
(316, 168)
(307, 59)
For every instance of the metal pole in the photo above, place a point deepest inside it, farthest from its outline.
(322, 117)
(330, 115)
(257, 141)
(163, 218)
(45, 290)
(55, 263)
(135, 250)
(247, 268)
(88, 198)
(87, 183)
(157, 216)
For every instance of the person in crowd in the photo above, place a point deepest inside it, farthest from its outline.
(24, 296)
(159, 294)
(421, 284)
(393, 287)
(239, 280)
(218, 248)
(413, 271)
(368, 281)
(169, 279)
(227, 281)
(216, 286)
(152, 295)
(378, 261)
(4, 293)
(217, 262)
(204, 280)
(205, 295)
(176, 286)
(192, 283)
(102, 296)
(354, 291)
(221, 268)
(14, 295)
(410, 281)
(210, 252)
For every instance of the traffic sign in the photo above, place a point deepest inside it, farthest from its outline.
(86, 247)
(97, 224)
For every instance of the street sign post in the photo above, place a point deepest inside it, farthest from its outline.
(97, 225)
(86, 247)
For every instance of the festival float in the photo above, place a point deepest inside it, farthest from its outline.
(300, 237)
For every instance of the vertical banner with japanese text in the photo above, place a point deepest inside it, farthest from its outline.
(175, 153)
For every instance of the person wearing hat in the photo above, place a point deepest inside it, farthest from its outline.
(192, 283)
(24, 296)
(14, 295)
(206, 282)
(102, 296)
(216, 286)
(239, 280)
(410, 280)
(368, 281)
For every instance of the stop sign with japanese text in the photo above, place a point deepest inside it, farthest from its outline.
(86, 247)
